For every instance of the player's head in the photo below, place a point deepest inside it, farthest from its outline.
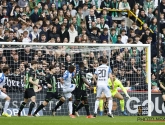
(113, 76)
(104, 60)
(81, 65)
(71, 68)
(34, 64)
(6, 70)
(52, 69)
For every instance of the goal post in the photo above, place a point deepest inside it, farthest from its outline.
(85, 51)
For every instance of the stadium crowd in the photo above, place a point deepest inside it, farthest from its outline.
(77, 21)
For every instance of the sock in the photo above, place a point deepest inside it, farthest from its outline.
(164, 103)
(79, 107)
(32, 104)
(110, 106)
(39, 108)
(122, 105)
(70, 107)
(75, 104)
(105, 107)
(101, 105)
(87, 108)
(6, 106)
(58, 105)
(21, 107)
(96, 105)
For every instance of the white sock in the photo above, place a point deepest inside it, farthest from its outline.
(70, 107)
(110, 106)
(96, 105)
(6, 106)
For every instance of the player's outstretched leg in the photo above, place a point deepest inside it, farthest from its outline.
(86, 105)
(32, 105)
(122, 103)
(101, 103)
(21, 108)
(78, 108)
(110, 107)
(41, 107)
(70, 106)
(75, 104)
(96, 107)
(62, 100)
(7, 102)
(122, 107)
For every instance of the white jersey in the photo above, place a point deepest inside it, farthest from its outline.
(103, 72)
(2, 79)
(67, 79)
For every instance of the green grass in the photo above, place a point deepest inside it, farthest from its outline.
(66, 120)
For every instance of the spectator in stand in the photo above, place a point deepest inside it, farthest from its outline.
(90, 18)
(154, 84)
(139, 81)
(124, 37)
(124, 5)
(148, 4)
(123, 78)
(72, 33)
(154, 65)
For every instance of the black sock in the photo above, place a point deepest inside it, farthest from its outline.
(87, 108)
(79, 107)
(58, 105)
(21, 107)
(32, 104)
(75, 104)
(39, 108)
(164, 103)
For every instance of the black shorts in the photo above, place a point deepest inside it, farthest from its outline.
(29, 93)
(80, 95)
(51, 95)
(83, 95)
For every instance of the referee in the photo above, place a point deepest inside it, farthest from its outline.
(162, 84)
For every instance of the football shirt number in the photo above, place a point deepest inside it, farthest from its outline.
(102, 73)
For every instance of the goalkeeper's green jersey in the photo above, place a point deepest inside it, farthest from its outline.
(117, 83)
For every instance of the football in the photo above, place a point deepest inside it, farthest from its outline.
(89, 75)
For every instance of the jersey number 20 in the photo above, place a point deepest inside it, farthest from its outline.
(102, 73)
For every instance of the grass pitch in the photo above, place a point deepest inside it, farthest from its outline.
(66, 120)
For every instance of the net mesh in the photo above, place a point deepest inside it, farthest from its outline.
(128, 63)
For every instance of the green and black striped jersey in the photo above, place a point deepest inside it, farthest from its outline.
(29, 73)
(78, 80)
(50, 79)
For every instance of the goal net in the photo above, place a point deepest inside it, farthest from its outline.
(130, 63)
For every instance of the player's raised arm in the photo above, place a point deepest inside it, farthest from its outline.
(32, 73)
(123, 89)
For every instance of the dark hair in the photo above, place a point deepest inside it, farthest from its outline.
(81, 64)
(104, 60)
(34, 62)
(51, 67)
(118, 36)
(5, 69)
(72, 67)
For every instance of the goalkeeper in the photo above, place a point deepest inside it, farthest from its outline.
(117, 83)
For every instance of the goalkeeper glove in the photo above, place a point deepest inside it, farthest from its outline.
(128, 96)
